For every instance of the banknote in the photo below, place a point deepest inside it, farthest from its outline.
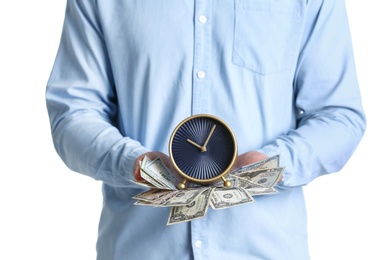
(168, 198)
(152, 181)
(159, 171)
(253, 189)
(184, 197)
(229, 197)
(144, 203)
(196, 209)
(144, 184)
(148, 177)
(153, 196)
(265, 177)
(270, 162)
(147, 182)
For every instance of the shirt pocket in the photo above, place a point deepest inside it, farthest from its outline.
(266, 35)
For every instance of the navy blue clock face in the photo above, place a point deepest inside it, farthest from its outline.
(203, 148)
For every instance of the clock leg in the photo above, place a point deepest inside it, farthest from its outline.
(226, 183)
(182, 185)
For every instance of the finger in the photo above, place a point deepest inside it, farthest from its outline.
(280, 178)
(137, 173)
(137, 169)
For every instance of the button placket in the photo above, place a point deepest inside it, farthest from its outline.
(202, 46)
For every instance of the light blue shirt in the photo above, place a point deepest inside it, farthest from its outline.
(280, 73)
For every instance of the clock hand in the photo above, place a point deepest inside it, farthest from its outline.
(193, 143)
(203, 148)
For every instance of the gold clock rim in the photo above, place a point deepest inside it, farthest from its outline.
(183, 174)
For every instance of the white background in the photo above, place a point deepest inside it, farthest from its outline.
(49, 212)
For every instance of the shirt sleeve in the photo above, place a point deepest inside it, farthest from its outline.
(330, 117)
(81, 102)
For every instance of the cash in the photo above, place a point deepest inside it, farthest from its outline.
(193, 202)
(156, 173)
(229, 197)
(194, 210)
(270, 162)
(167, 198)
(265, 177)
(252, 188)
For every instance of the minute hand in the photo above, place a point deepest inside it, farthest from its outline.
(203, 148)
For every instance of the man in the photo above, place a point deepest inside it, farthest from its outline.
(280, 73)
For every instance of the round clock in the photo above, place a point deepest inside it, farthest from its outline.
(202, 149)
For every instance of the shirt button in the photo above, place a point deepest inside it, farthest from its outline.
(198, 244)
(202, 19)
(201, 74)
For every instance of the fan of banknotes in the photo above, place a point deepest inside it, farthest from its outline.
(193, 202)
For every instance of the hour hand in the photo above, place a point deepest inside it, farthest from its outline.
(195, 144)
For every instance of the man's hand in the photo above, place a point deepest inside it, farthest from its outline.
(152, 156)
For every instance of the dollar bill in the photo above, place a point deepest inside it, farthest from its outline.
(265, 177)
(143, 184)
(270, 162)
(196, 209)
(154, 183)
(149, 177)
(157, 174)
(256, 191)
(168, 198)
(153, 196)
(252, 188)
(222, 198)
(143, 203)
(183, 197)
(160, 172)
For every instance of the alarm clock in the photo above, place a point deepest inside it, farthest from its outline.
(203, 149)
